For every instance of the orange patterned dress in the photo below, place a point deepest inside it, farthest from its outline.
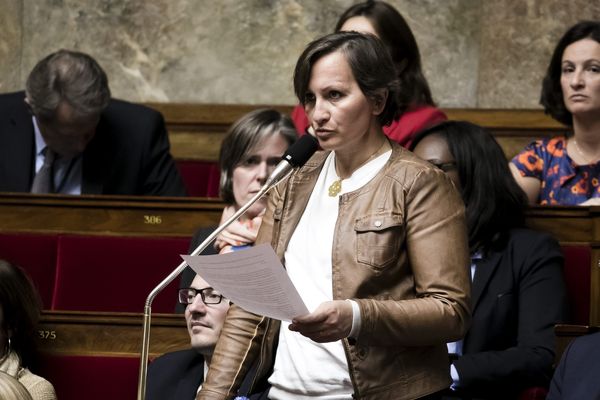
(563, 181)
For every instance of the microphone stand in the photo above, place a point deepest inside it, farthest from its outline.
(280, 172)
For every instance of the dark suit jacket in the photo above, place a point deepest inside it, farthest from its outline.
(129, 154)
(578, 374)
(175, 376)
(517, 296)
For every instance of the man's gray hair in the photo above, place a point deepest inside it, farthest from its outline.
(69, 76)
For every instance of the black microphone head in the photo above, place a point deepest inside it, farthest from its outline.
(299, 153)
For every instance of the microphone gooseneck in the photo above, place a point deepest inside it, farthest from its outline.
(296, 156)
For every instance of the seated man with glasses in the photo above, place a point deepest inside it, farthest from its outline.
(179, 375)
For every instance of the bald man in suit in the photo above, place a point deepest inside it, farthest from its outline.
(99, 145)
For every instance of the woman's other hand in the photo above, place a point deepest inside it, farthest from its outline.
(238, 233)
(331, 321)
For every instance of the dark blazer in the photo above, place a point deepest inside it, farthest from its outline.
(175, 376)
(518, 295)
(578, 374)
(129, 154)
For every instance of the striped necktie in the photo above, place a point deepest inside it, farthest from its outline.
(44, 179)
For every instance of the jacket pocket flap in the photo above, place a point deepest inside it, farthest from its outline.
(377, 222)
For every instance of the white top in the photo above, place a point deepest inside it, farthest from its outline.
(305, 369)
(457, 347)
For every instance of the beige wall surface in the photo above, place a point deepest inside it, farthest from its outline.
(486, 54)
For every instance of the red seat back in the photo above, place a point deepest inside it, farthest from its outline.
(37, 255)
(77, 377)
(577, 273)
(533, 393)
(115, 273)
(201, 178)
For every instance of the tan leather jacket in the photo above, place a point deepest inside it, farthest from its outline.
(400, 250)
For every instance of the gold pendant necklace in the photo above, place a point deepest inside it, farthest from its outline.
(335, 188)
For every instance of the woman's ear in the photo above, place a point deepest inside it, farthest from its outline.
(379, 101)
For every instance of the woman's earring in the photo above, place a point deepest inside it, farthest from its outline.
(8, 346)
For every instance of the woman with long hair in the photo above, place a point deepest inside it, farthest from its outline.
(518, 294)
(565, 170)
(19, 314)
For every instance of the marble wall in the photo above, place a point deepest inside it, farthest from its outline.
(475, 53)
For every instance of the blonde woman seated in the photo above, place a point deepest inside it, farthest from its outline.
(249, 153)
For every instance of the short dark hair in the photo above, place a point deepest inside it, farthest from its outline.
(494, 201)
(69, 76)
(241, 138)
(369, 61)
(552, 95)
(21, 307)
(400, 41)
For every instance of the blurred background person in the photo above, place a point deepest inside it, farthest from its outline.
(19, 315)
(576, 376)
(65, 134)
(250, 151)
(12, 389)
(364, 240)
(565, 170)
(416, 108)
(518, 293)
(178, 375)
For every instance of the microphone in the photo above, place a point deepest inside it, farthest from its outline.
(295, 157)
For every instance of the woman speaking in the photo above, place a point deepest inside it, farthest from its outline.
(373, 238)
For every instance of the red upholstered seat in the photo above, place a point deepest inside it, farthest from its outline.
(115, 273)
(77, 377)
(534, 393)
(37, 255)
(577, 275)
(201, 178)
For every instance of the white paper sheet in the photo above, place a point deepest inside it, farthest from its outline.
(253, 279)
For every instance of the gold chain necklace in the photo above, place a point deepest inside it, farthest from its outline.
(336, 187)
(585, 158)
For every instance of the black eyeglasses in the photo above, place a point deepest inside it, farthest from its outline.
(447, 166)
(208, 295)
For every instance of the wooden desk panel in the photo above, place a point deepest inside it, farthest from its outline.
(143, 216)
(568, 224)
(196, 130)
(113, 334)
(102, 215)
